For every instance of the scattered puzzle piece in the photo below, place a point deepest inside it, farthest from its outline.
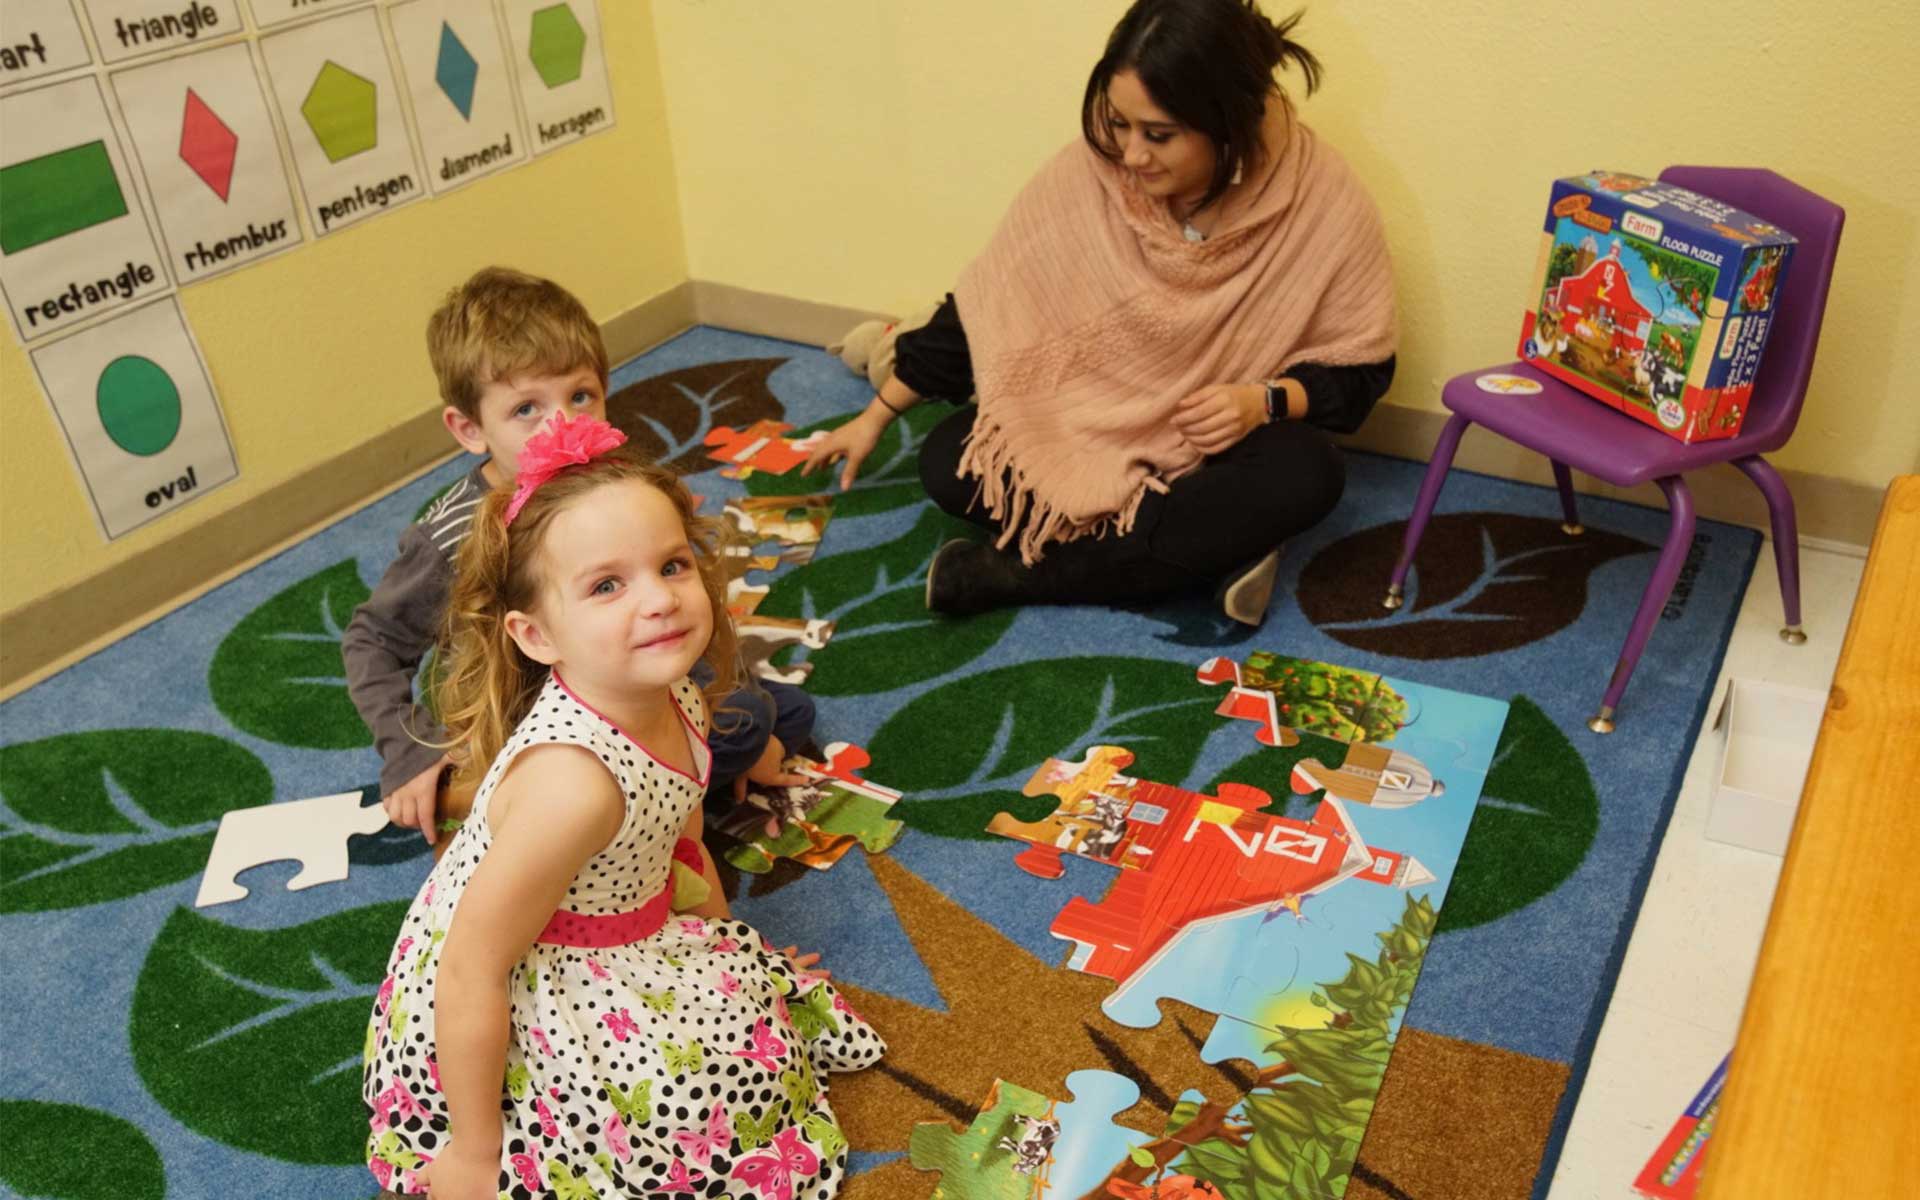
(815, 825)
(763, 637)
(758, 447)
(1024, 1145)
(313, 833)
(1282, 695)
(790, 520)
(1188, 863)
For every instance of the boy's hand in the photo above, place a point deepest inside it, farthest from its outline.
(412, 804)
(769, 770)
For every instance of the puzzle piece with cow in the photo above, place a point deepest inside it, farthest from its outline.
(1023, 1144)
(1283, 697)
(817, 823)
(761, 446)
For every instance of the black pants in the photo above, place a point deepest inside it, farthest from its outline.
(1274, 483)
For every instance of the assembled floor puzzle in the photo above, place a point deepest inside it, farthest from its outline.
(1303, 933)
(816, 824)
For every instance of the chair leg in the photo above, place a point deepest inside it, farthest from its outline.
(1786, 540)
(1430, 485)
(1673, 554)
(1569, 511)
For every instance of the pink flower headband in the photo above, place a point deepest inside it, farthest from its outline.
(560, 445)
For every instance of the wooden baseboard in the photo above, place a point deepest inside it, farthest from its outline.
(46, 634)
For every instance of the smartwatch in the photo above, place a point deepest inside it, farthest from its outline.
(1276, 401)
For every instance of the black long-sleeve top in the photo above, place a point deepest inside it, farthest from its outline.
(934, 360)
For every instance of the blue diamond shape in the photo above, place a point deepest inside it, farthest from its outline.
(455, 71)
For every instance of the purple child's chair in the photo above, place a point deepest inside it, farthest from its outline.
(1575, 430)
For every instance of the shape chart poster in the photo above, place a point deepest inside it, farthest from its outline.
(74, 240)
(126, 29)
(204, 139)
(456, 72)
(341, 109)
(137, 407)
(39, 37)
(562, 71)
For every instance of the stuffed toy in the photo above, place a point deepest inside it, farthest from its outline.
(868, 347)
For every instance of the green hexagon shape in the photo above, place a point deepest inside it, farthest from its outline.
(558, 45)
(341, 110)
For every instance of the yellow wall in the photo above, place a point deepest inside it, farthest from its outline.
(859, 152)
(317, 351)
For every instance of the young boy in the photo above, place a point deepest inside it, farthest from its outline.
(510, 351)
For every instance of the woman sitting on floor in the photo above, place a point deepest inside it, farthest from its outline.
(1168, 317)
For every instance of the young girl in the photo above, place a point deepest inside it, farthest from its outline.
(547, 1026)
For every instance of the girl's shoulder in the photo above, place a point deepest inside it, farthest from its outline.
(692, 701)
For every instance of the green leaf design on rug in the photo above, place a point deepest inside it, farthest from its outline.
(253, 1037)
(995, 729)
(1538, 815)
(97, 816)
(889, 479)
(66, 1152)
(279, 676)
(885, 637)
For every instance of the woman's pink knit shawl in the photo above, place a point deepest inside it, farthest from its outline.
(1089, 316)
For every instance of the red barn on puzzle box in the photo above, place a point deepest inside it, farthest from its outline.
(1655, 300)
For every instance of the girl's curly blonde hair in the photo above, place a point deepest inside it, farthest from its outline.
(488, 685)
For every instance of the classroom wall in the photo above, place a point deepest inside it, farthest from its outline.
(859, 152)
(319, 351)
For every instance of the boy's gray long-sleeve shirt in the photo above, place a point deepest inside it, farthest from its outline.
(392, 632)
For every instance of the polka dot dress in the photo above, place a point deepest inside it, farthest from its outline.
(689, 1062)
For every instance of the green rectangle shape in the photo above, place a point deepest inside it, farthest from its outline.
(57, 194)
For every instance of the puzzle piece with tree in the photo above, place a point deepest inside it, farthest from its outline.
(1023, 1145)
(1284, 697)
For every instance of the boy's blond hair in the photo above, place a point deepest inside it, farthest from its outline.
(503, 323)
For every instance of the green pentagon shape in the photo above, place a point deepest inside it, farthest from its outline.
(341, 110)
(558, 45)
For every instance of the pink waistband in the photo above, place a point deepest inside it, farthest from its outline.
(597, 931)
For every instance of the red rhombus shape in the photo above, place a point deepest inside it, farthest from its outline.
(207, 145)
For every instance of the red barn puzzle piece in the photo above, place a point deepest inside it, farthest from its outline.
(1186, 859)
(758, 447)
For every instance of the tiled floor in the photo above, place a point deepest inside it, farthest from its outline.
(1680, 994)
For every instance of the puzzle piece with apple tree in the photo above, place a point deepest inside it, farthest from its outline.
(761, 446)
(1191, 866)
(1285, 696)
(817, 823)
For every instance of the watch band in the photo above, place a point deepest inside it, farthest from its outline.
(1276, 401)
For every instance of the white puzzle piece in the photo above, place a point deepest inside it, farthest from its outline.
(313, 833)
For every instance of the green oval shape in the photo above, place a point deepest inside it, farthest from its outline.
(139, 405)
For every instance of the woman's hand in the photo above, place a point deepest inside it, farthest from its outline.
(1215, 418)
(853, 442)
(463, 1174)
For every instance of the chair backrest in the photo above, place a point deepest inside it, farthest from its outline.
(1781, 386)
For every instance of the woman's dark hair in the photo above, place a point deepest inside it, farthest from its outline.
(1210, 64)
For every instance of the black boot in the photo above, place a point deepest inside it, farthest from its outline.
(966, 577)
